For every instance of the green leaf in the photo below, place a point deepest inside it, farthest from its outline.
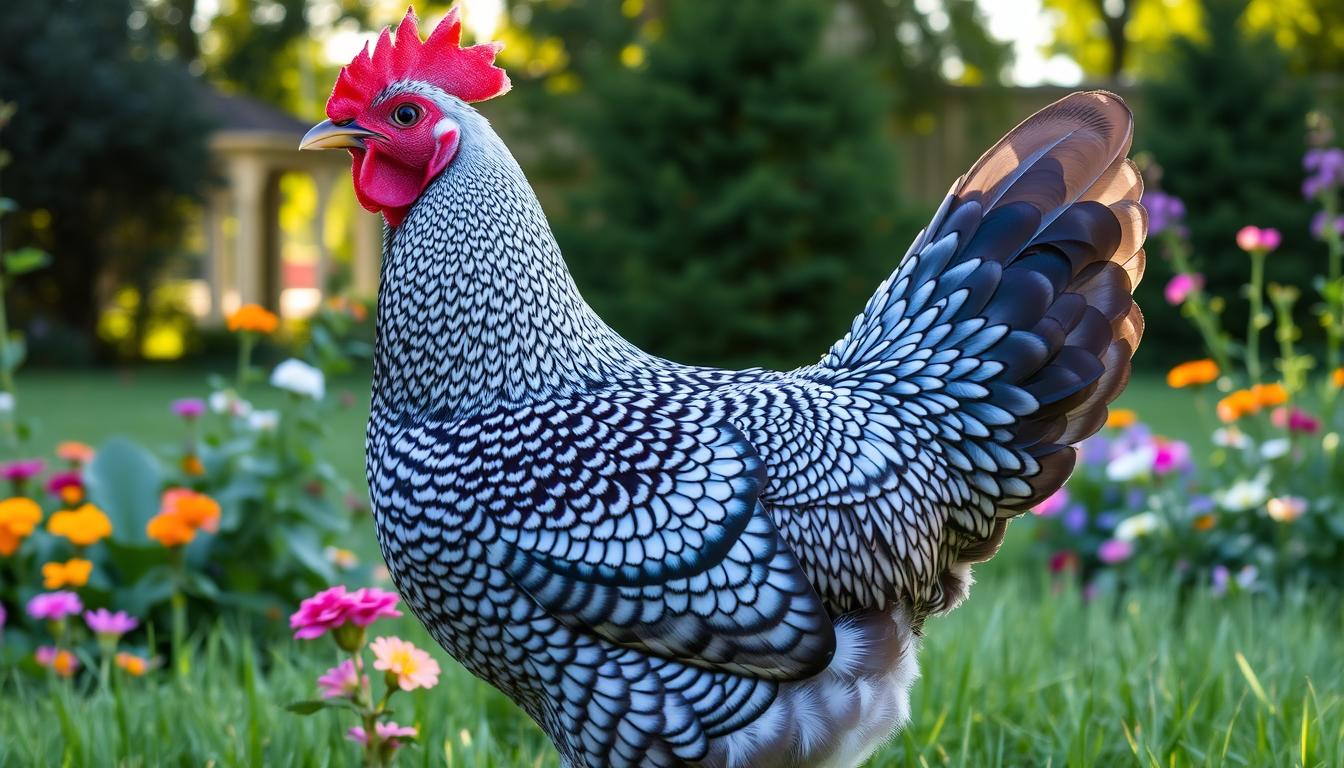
(306, 707)
(26, 260)
(125, 481)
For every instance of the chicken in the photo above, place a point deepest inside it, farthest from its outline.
(671, 565)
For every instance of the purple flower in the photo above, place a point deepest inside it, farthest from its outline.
(1114, 551)
(389, 733)
(1075, 518)
(370, 604)
(189, 407)
(1325, 169)
(104, 622)
(54, 606)
(1200, 505)
(1181, 286)
(21, 470)
(1172, 456)
(1318, 223)
(1165, 212)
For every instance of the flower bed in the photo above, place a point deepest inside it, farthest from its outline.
(1265, 509)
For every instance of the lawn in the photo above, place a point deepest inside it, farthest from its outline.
(1020, 675)
(1023, 674)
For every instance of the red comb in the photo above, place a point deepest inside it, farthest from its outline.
(467, 73)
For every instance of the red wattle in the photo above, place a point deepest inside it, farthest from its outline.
(384, 185)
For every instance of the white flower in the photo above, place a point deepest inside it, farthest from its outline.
(1230, 437)
(300, 378)
(1141, 524)
(1243, 494)
(227, 401)
(6, 402)
(1128, 466)
(263, 421)
(1273, 449)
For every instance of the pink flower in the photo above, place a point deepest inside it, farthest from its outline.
(21, 470)
(59, 481)
(104, 622)
(189, 407)
(389, 733)
(1052, 504)
(1295, 420)
(1255, 239)
(370, 604)
(54, 606)
(341, 681)
(1171, 456)
(320, 613)
(1114, 551)
(1181, 286)
(411, 667)
(332, 608)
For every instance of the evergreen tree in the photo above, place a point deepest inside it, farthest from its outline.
(742, 204)
(1227, 124)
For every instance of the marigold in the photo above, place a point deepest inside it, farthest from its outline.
(72, 573)
(1193, 373)
(183, 512)
(134, 665)
(83, 526)
(192, 466)
(75, 452)
(59, 660)
(1337, 378)
(1270, 395)
(1204, 522)
(254, 318)
(1241, 403)
(1121, 418)
(18, 517)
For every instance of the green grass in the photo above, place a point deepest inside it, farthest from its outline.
(1020, 675)
(1017, 676)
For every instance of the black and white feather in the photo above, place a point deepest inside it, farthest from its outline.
(669, 565)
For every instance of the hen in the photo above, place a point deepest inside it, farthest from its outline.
(671, 565)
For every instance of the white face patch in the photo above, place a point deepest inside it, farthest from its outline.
(443, 126)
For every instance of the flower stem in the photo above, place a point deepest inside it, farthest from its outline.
(245, 345)
(1255, 293)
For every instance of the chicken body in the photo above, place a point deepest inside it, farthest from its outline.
(671, 565)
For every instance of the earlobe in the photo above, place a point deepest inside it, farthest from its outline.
(446, 137)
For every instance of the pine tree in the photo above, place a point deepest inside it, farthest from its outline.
(1227, 125)
(742, 205)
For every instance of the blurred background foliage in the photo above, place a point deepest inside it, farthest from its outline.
(728, 180)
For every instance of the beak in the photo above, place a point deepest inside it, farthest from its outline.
(329, 135)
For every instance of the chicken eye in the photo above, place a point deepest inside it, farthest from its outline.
(406, 115)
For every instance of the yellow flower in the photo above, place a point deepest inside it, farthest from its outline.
(254, 318)
(72, 573)
(83, 526)
(74, 452)
(18, 517)
(1337, 378)
(1120, 418)
(134, 665)
(1193, 373)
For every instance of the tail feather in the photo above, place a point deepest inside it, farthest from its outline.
(1028, 268)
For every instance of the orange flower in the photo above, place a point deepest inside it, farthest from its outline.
(74, 452)
(192, 466)
(72, 573)
(1243, 402)
(182, 513)
(1120, 418)
(1204, 522)
(254, 318)
(1337, 378)
(82, 526)
(134, 665)
(1270, 395)
(18, 517)
(1193, 373)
